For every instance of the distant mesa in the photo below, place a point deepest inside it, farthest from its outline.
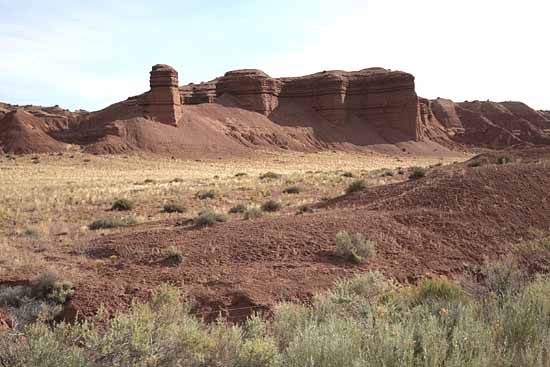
(246, 110)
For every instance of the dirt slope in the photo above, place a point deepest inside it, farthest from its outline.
(23, 133)
(444, 224)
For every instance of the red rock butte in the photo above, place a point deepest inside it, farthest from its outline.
(162, 103)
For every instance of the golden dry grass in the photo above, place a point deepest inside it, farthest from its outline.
(52, 199)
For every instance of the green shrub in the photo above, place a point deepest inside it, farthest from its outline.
(354, 248)
(174, 256)
(271, 206)
(109, 223)
(173, 208)
(203, 195)
(239, 208)
(208, 218)
(50, 286)
(123, 205)
(292, 190)
(270, 176)
(252, 213)
(438, 289)
(356, 185)
(417, 172)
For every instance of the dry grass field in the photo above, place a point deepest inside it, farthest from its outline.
(49, 200)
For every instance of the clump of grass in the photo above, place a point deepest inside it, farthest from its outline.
(504, 159)
(239, 208)
(271, 206)
(123, 205)
(270, 176)
(174, 256)
(347, 174)
(208, 217)
(252, 213)
(356, 185)
(304, 209)
(149, 181)
(292, 190)
(354, 247)
(108, 223)
(173, 208)
(417, 172)
(203, 195)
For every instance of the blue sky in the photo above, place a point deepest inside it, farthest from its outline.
(90, 54)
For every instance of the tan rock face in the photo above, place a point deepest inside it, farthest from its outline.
(379, 97)
(162, 103)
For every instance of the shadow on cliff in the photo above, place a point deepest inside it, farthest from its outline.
(352, 129)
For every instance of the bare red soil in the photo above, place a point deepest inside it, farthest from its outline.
(443, 224)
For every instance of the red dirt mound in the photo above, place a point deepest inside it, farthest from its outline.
(444, 223)
(492, 124)
(23, 133)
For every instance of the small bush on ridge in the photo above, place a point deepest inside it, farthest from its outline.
(271, 206)
(356, 185)
(354, 247)
(123, 205)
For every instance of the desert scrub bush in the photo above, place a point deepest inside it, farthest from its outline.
(503, 277)
(356, 185)
(49, 286)
(354, 247)
(374, 332)
(123, 205)
(108, 223)
(174, 256)
(173, 208)
(337, 342)
(304, 209)
(271, 206)
(252, 213)
(270, 176)
(437, 290)
(208, 217)
(292, 190)
(239, 208)
(417, 172)
(203, 195)
(504, 159)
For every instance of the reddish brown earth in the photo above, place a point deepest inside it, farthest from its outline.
(491, 124)
(443, 224)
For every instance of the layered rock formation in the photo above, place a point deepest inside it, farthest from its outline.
(162, 103)
(381, 98)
